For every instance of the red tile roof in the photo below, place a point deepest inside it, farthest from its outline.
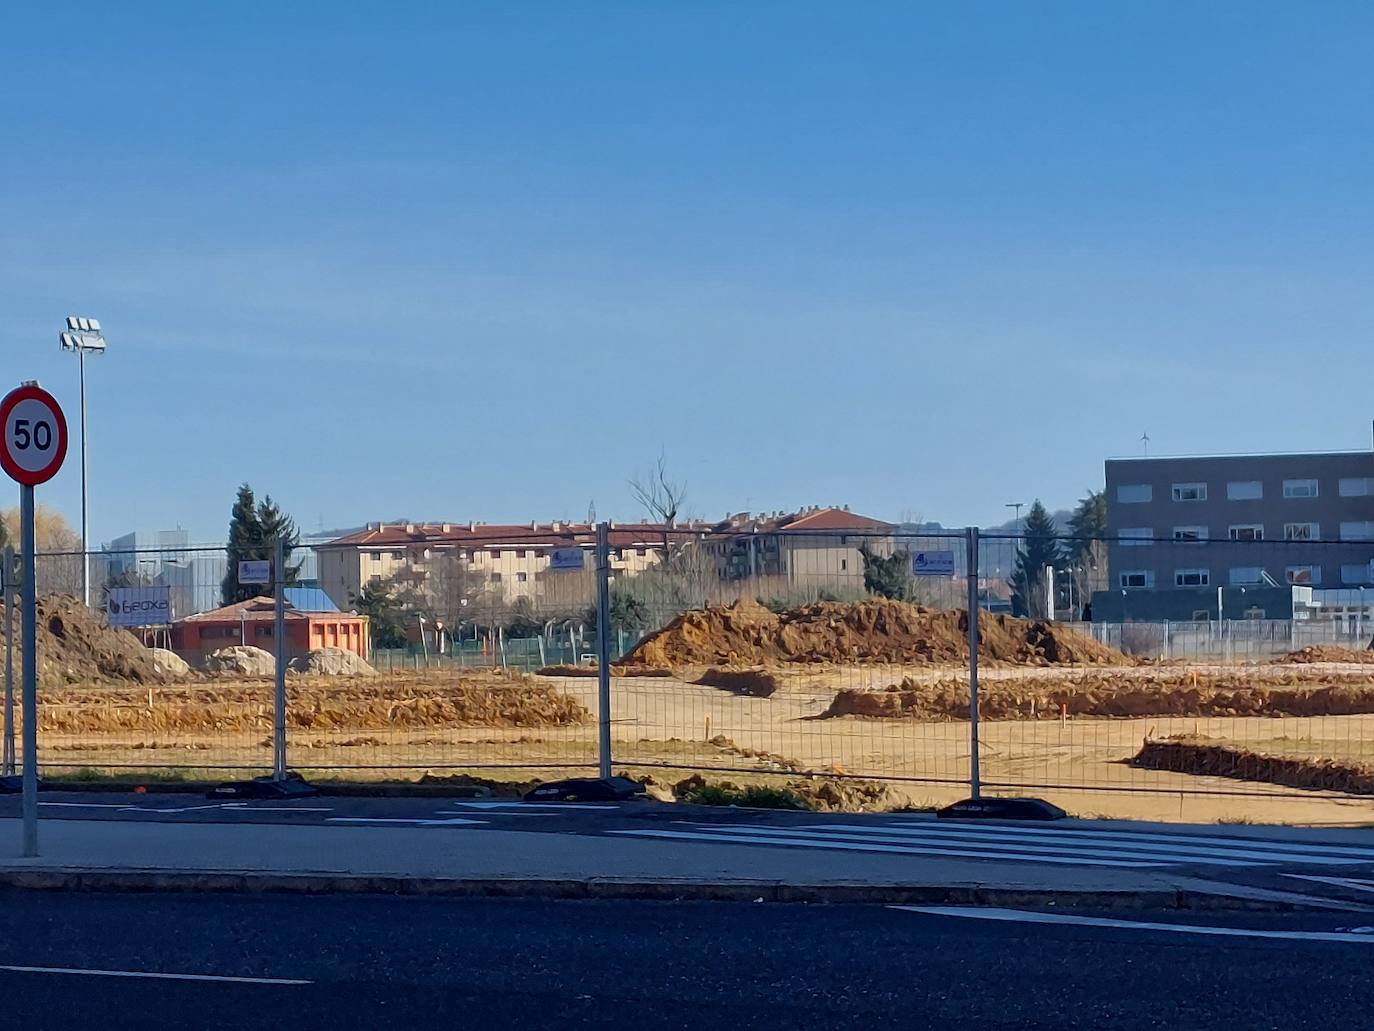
(480, 535)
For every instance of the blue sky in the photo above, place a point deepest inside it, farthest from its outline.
(484, 260)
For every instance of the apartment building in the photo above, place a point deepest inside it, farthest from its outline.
(816, 547)
(460, 562)
(1253, 526)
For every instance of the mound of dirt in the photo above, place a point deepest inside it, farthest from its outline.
(1323, 653)
(169, 663)
(566, 670)
(77, 646)
(332, 662)
(1207, 757)
(348, 706)
(1105, 695)
(756, 681)
(242, 660)
(878, 630)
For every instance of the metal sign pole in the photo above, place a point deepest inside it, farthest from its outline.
(7, 575)
(29, 645)
(974, 774)
(603, 647)
(279, 635)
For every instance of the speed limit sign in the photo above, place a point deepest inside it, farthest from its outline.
(35, 435)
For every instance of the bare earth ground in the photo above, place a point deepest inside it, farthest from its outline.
(375, 728)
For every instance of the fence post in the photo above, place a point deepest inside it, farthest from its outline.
(279, 644)
(603, 646)
(7, 578)
(974, 777)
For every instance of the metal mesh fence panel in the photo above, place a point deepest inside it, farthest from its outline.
(764, 652)
(155, 678)
(1223, 667)
(459, 622)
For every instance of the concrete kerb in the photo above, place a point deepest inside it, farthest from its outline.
(240, 882)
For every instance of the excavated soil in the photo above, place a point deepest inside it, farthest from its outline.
(1109, 695)
(242, 660)
(757, 681)
(332, 662)
(76, 645)
(1323, 653)
(747, 634)
(347, 705)
(1207, 757)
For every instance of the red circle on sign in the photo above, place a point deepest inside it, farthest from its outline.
(18, 440)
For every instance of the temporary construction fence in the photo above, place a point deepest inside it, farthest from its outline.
(744, 653)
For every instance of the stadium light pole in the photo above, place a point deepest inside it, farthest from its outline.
(83, 336)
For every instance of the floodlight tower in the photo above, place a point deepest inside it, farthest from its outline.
(83, 336)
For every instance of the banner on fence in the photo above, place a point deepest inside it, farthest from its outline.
(932, 563)
(140, 606)
(567, 558)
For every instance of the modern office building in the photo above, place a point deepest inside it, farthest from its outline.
(1230, 535)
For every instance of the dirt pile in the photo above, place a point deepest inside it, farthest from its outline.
(1324, 653)
(878, 630)
(347, 705)
(332, 662)
(757, 681)
(76, 646)
(242, 660)
(1106, 695)
(168, 663)
(1207, 757)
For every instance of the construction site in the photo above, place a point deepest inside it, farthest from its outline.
(839, 693)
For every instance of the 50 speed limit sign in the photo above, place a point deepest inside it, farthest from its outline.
(35, 435)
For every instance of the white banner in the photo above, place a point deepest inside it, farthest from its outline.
(139, 606)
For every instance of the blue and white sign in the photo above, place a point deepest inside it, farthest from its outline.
(139, 606)
(255, 571)
(932, 563)
(567, 558)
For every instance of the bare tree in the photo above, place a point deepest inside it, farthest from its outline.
(661, 496)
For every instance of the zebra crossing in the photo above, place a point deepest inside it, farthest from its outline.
(1030, 844)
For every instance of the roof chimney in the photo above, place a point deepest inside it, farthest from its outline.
(534, 524)
(446, 527)
(472, 527)
(556, 526)
(410, 527)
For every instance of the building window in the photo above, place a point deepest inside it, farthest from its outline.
(1134, 493)
(1357, 573)
(521, 577)
(398, 556)
(1244, 490)
(1303, 574)
(1357, 531)
(1202, 615)
(1192, 577)
(1190, 492)
(522, 553)
(496, 578)
(1299, 488)
(496, 556)
(1253, 612)
(1355, 486)
(1137, 578)
(1302, 532)
(844, 564)
(641, 552)
(1243, 575)
(1190, 534)
(1246, 532)
(1136, 536)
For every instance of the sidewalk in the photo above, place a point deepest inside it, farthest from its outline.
(81, 854)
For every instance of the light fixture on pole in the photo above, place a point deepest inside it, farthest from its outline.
(83, 336)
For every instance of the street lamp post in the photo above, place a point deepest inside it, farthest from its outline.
(83, 336)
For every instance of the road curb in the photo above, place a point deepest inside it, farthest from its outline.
(245, 882)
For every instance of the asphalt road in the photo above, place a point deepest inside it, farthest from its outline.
(416, 963)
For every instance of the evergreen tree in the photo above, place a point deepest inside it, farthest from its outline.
(1087, 524)
(887, 577)
(254, 528)
(1039, 548)
(384, 615)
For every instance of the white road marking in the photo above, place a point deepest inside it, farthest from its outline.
(1246, 852)
(1031, 849)
(416, 822)
(251, 808)
(863, 846)
(1340, 882)
(153, 974)
(90, 805)
(1366, 854)
(1023, 916)
(531, 805)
